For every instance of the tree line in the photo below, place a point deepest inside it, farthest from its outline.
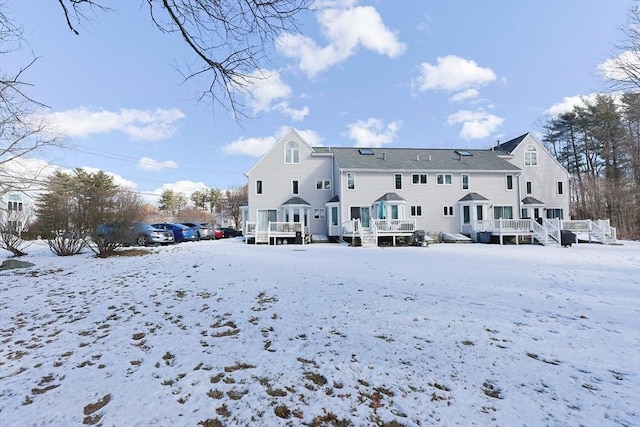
(599, 142)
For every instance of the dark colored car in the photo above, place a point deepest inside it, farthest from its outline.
(136, 233)
(181, 233)
(228, 232)
(205, 230)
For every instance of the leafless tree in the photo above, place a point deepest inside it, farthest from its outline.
(22, 130)
(624, 72)
(230, 39)
(235, 198)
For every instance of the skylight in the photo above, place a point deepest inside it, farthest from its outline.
(463, 153)
(366, 151)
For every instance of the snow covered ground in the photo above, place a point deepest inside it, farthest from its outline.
(223, 333)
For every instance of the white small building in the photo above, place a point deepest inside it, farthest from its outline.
(16, 211)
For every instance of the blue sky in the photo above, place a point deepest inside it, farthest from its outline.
(392, 73)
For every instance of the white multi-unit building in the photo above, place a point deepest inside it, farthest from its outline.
(296, 190)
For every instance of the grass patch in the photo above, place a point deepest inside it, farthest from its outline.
(491, 390)
(238, 366)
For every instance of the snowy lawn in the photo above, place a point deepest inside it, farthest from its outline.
(222, 333)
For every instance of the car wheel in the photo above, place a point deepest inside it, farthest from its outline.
(142, 240)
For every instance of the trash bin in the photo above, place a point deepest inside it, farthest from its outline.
(298, 237)
(567, 238)
(419, 237)
(484, 237)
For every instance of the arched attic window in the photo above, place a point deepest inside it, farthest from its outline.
(291, 153)
(530, 156)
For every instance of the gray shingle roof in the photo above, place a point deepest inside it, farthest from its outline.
(390, 197)
(295, 201)
(531, 201)
(417, 159)
(472, 196)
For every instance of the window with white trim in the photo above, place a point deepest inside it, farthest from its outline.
(318, 213)
(530, 156)
(294, 187)
(560, 187)
(419, 178)
(554, 213)
(259, 187)
(447, 210)
(465, 181)
(291, 153)
(351, 181)
(416, 210)
(398, 181)
(466, 214)
(443, 179)
(529, 186)
(504, 212)
(509, 182)
(14, 206)
(323, 184)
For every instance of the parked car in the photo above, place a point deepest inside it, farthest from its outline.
(205, 230)
(181, 233)
(136, 233)
(218, 233)
(229, 232)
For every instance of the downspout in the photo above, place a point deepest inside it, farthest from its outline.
(519, 198)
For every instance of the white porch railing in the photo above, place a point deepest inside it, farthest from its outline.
(599, 230)
(394, 226)
(275, 230)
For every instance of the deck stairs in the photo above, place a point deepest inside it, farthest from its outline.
(368, 237)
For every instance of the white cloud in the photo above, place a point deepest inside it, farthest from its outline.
(475, 124)
(293, 114)
(149, 164)
(465, 95)
(346, 29)
(611, 67)
(568, 103)
(254, 147)
(266, 87)
(141, 125)
(452, 73)
(373, 132)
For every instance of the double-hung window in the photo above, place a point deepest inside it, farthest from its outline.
(398, 181)
(351, 181)
(443, 179)
(509, 182)
(419, 178)
(291, 153)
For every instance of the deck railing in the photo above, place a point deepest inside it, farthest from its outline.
(596, 230)
(394, 226)
(275, 229)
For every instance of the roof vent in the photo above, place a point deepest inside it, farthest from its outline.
(384, 156)
(418, 157)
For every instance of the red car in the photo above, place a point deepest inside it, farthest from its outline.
(218, 233)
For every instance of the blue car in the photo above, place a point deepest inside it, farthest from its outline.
(181, 233)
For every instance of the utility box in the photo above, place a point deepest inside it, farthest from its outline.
(567, 238)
